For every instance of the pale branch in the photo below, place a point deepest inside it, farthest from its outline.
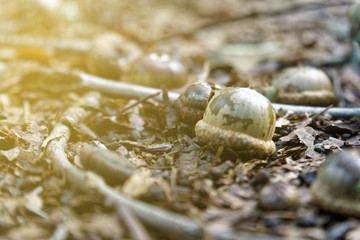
(334, 111)
(136, 91)
(55, 149)
(113, 167)
(121, 89)
(61, 232)
(135, 227)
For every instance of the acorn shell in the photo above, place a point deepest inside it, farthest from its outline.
(241, 119)
(191, 104)
(304, 86)
(337, 184)
(157, 70)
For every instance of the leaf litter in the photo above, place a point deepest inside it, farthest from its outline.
(166, 170)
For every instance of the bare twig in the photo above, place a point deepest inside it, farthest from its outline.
(336, 111)
(121, 88)
(138, 102)
(61, 232)
(152, 148)
(323, 111)
(114, 168)
(135, 227)
(79, 80)
(136, 91)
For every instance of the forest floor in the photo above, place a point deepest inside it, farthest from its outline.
(56, 138)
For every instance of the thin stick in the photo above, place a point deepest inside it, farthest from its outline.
(336, 111)
(137, 91)
(203, 76)
(319, 113)
(61, 232)
(136, 229)
(121, 89)
(138, 102)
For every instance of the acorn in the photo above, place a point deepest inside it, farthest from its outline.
(111, 55)
(337, 184)
(354, 18)
(158, 70)
(241, 119)
(304, 86)
(191, 104)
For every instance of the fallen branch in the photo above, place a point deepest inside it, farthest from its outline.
(61, 232)
(136, 91)
(56, 80)
(121, 88)
(135, 227)
(113, 167)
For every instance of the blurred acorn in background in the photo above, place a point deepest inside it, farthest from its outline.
(302, 86)
(337, 184)
(354, 18)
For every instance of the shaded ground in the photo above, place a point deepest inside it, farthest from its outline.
(229, 198)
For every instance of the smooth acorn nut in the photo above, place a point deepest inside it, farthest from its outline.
(191, 104)
(111, 55)
(241, 119)
(337, 184)
(157, 70)
(304, 86)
